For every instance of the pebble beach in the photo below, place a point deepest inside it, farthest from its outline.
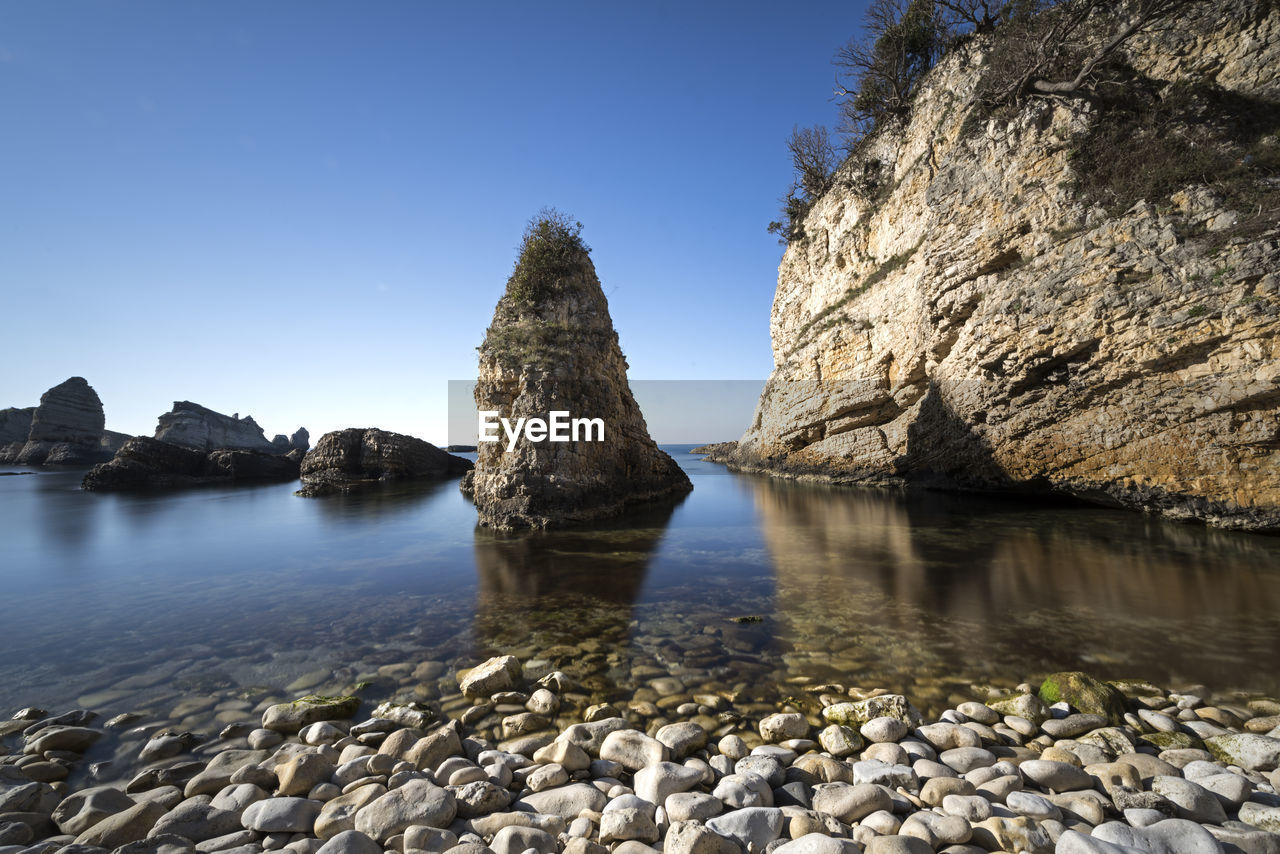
(510, 757)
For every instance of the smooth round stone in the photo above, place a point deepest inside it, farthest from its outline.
(281, 815)
(764, 766)
(1058, 776)
(85, 808)
(782, 726)
(752, 828)
(1194, 802)
(927, 769)
(627, 823)
(514, 839)
(884, 774)
(633, 750)
(884, 729)
(978, 712)
(947, 736)
(972, 808)
(543, 702)
(935, 829)
(567, 802)
(897, 845)
(824, 768)
(1138, 817)
(571, 757)
(888, 752)
(415, 802)
(785, 755)
(733, 747)
(882, 822)
(840, 741)
(850, 803)
(657, 783)
(546, 777)
(350, 842)
(1073, 725)
(935, 790)
(686, 806)
(682, 738)
(818, 843)
(739, 791)
(965, 759)
(1032, 806)
(1172, 834)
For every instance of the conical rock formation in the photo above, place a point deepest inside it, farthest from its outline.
(552, 348)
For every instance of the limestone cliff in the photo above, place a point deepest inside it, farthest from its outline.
(981, 302)
(349, 459)
(15, 424)
(199, 427)
(552, 347)
(65, 429)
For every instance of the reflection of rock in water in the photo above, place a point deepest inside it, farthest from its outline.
(381, 500)
(565, 593)
(889, 588)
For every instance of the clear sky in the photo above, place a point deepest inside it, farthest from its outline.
(306, 211)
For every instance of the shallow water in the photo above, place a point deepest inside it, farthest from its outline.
(756, 586)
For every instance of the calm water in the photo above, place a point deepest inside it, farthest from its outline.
(123, 602)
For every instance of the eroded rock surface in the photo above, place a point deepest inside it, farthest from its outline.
(145, 463)
(65, 429)
(348, 459)
(195, 426)
(958, 313)
(552, 347)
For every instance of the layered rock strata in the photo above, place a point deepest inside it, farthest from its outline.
(552, 348)
(65, 429)
(195, 426)
(959, 312)
(145, 463)
(349, 459)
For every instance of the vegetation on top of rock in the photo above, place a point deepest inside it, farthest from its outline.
(550, 250)
(1027, 49)
(1085, 694)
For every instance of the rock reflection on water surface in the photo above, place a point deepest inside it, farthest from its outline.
(940, 591)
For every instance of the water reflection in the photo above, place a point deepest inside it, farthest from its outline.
(380, 501)
(539, 590)
(949, 590)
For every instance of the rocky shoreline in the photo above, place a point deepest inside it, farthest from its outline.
(509, 758)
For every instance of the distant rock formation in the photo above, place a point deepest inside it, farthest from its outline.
(194, 426)
(65, 429)
(15, 424)
(348, 459)
(301, 440)
(552, 347)
(145, 463)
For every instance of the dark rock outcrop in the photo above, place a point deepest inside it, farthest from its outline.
(65, 429)
(552, 347)
(349, 459)
(300, 440)
(145, 463)
(15, 424)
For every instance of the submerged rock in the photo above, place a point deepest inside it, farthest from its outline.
(144, 463)
(347, 459)
(552, 349)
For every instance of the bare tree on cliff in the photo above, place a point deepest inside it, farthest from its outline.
(903, 40)
(813, 158)
(1065, 51)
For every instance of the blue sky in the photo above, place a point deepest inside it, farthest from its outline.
(306, 211)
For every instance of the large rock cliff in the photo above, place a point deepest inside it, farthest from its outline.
(195, 426)
(966, 309)
(552, 347)
(349, 459)
(65, 429)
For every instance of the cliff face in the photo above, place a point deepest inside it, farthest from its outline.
(65, 429)
(196, 426)
(552, 347)
(977, 319)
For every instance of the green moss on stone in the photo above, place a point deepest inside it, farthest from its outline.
(1171, 740)
(1084, 694)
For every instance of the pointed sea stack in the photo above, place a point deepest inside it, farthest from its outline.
(552, 348)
